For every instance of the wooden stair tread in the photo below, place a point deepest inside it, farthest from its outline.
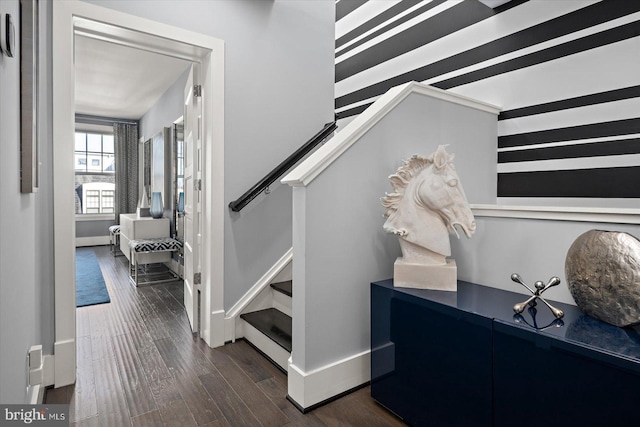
(273, 323)
(284, 287)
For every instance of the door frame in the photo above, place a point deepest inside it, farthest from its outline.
(68, 17)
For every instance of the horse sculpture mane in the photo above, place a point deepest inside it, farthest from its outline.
(400, 181)
(427, 203)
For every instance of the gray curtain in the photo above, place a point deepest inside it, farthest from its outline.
(126, 141)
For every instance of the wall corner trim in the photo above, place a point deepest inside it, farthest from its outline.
(214, 337)
(310, 168)
(555, 213)
(310, 388)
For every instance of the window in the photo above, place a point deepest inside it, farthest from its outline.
(98, 197)
(95, 166)
(95, 153)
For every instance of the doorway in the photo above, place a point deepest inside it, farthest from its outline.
(117, 27)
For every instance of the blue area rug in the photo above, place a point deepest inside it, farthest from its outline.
(90, 286)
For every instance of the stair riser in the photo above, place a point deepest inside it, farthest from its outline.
(282, 302)
(276, 353)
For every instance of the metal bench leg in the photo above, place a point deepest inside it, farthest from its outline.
(133, 269)
(135, 273)
(116, 243)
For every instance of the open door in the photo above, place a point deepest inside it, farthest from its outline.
(192, 205)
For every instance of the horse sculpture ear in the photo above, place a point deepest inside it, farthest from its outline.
(441, 158)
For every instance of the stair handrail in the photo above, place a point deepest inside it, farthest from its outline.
(283, 167)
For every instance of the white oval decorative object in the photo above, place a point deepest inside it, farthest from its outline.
(603, 275)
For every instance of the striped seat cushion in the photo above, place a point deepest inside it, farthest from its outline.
(115, 229)
(153, 245)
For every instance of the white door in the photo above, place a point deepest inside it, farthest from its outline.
(192, 198)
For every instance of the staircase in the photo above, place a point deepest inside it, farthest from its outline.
(269, 329)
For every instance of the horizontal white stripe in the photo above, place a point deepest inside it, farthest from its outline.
(602, 69)
(569, 164)
(377, 27)
(400, 28)
(567, 143)
(485, 31)
(616, 207)
(538, 47)
(589, 205)
(357, 104)
(597, 113)
(618, 211)
(359, 16)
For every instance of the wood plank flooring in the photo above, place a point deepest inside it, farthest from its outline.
(139, 365)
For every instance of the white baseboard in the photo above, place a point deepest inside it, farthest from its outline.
(307, 389)
(92, 241)
(41, 374)
(215, 337)
(48, 370)
(35, 394)
(65, 362)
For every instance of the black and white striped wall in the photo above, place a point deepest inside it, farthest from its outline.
(566, 74)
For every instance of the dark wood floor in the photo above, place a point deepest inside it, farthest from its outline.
(139, 365)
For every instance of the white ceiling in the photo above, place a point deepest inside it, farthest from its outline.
(117, 81)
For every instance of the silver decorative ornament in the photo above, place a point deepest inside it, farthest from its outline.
(537, 294)
(603, 275)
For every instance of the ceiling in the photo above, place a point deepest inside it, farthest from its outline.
(117, 81)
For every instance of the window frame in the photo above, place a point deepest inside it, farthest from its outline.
(102, 130)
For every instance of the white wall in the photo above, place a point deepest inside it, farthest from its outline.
(278, 93)
(166, 110)
(342, 248)
(535, 249)
(26, 258)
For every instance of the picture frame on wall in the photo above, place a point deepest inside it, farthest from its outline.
(29, 52)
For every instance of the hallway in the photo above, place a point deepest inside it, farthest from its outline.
(139, 365)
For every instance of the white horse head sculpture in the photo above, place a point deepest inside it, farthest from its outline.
(428, 202)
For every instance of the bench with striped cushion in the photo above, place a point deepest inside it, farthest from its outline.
(142, 250)
(155, 245)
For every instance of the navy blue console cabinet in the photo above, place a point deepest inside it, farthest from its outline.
(464, 359)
